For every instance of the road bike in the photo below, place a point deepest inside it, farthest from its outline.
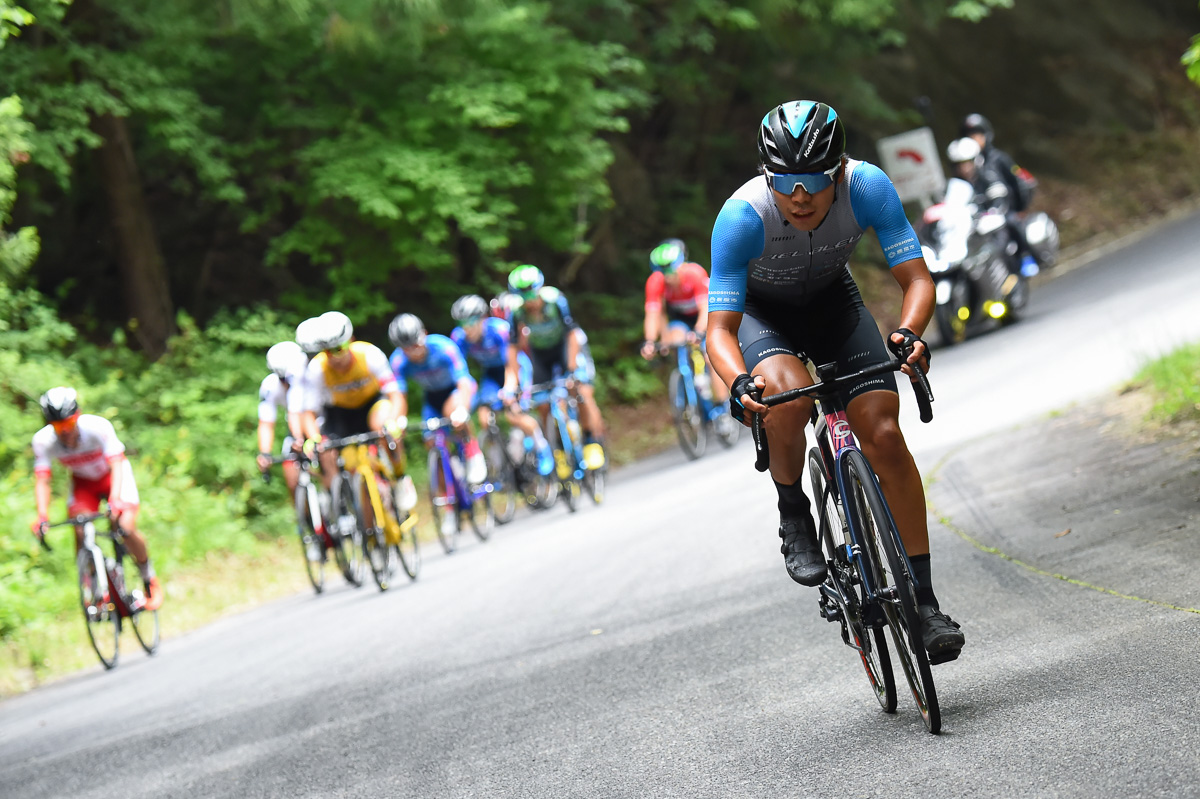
(366, 503)
(512, 469)
(565, 435)
(870, 584)
(317, 537)
(106, 599)
(451, 498)
(693, 410)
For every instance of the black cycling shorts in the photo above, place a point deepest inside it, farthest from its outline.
(688, 319)
(832, 327)
(343, 422)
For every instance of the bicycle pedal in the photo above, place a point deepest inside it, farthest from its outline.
(945, 656)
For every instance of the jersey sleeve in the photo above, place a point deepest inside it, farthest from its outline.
(456, 361)
(111, 446)
(41, 452)
(313, 388)
(565, 310)
(738, 237)
(654, 291)
(397, 363)
(875, 204)
(459, 337)
(268, 391)
(381, 369)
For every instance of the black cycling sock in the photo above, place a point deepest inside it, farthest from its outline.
(793, 504)
(925, 594)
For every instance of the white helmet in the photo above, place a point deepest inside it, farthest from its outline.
(964, 149)
(470, 306)
(406, 330)
(59, 403)
(286, 358)
(330, 329)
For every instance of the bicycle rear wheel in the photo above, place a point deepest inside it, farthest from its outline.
(143, 622)
(443, 503)
(871, 646)
(350, 531)
(687, 416)
(502, 476)
(99, 611)
(309, 542)
(896, 590)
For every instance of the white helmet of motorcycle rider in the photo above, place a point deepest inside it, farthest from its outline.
(965, 155)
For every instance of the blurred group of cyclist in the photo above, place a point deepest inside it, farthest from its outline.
(333, 385)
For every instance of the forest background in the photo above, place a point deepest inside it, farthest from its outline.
(182, 182)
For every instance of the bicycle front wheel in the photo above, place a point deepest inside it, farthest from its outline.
(870, 644)
(593, 484)
(895, 587)
(350, 526)
(309, 544)
(502, 475)
(408, 549)
(99, 611)
(143, 622)
(687, 416)
(376, 551)
(480, 515)
(443, 504)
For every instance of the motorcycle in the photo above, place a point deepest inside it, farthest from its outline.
(974, 262)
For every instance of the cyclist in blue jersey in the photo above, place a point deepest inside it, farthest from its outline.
(435, 363)
(781, 287)
(557, 346)
(486, 340)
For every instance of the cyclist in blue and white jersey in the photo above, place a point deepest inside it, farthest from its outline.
(436, 364)
(486, 341)
(557, 346)
(781, 287)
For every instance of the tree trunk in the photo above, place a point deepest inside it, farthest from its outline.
(143, 273)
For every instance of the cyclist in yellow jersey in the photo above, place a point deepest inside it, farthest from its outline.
(352, 385)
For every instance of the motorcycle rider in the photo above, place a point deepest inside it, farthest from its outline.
(1020, 191)
(991, 191)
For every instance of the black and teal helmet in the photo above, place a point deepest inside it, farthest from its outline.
(526, 281)
(668, 256)
(802, 136)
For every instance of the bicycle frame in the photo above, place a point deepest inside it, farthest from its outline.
(464, 496)
(356, 458)
(689, 359)
(105, 567)
(563, 409)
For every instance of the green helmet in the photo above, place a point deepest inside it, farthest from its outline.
(526, 281)
(668, 256)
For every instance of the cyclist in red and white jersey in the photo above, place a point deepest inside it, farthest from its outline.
(282, 388)
(88, 446)
(677, 304)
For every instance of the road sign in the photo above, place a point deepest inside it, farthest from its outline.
(913, 163)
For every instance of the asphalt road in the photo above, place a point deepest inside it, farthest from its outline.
(654, 646)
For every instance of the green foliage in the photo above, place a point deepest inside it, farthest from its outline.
(12, 19)
(1191, 60)
(17, 251)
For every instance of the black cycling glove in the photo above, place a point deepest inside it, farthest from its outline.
(905, 348)
(742, 385)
